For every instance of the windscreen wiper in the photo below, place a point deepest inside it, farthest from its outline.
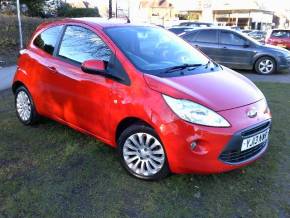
(181, 67)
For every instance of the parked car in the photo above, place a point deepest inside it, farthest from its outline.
(196, 24)
(236, 28)
(180, 29)
(259, 35)
(279, 37)
(246, 31)
(238, 51)
(166, 106)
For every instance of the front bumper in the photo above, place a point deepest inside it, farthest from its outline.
(283, 65)
(206, 158)
(232, 153)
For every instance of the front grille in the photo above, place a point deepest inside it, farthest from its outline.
(237, 156)
(252, 131)
(233, 154)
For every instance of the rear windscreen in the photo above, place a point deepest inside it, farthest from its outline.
(281, 33)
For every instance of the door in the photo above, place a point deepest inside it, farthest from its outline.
(41, 69)
(207, 42)
(82, 99)
(235, 50)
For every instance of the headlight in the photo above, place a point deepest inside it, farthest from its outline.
(195, 113)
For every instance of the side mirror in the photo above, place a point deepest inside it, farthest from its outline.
(247, 44)
(94, 67)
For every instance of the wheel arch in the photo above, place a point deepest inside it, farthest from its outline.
(257, 57)
(16, 85)
(125, 123)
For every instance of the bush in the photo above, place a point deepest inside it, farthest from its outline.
(9, 31)
(65, 10)
(9, 35)
(81, 12)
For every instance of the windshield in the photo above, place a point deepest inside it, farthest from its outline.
(153, 50)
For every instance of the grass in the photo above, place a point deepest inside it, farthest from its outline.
(50, 170)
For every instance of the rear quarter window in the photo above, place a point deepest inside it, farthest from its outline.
(47, 39)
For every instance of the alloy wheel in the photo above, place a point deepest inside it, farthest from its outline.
(23, 106)
(266, 66)
(143, 154)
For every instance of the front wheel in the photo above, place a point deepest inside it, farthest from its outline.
(265, 65)
(142, 153)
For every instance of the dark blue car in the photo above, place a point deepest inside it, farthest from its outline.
(238, 51)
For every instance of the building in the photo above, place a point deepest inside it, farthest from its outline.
(247, 14)
(157, 11)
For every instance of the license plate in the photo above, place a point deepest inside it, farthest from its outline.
(255, 140)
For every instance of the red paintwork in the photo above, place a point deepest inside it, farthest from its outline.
(96, 105)
(94, 65)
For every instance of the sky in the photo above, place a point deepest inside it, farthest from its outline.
(276, 5)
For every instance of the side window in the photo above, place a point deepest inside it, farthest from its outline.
(208, 36)
(190, 37)
(47, 39)
(229, 38)
(80, 44)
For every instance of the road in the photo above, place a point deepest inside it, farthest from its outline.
(279, 78)
(7, 73)
(6, 77)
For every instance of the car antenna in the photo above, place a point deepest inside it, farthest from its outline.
(128, 20)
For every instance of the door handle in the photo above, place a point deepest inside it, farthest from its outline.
(52, 68)
(225, 47)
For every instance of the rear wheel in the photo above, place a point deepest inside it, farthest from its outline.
(24, 105)
(142, 153)
(265, 65)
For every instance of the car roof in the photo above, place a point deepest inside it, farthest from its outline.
(96, 22)
(181, 27)
(211, 28)
(101, 22)
(195, 22)
(280, 30)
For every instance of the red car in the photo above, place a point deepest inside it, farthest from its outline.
(279, 37)
(166, 106)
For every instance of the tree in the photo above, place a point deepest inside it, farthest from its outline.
(35, 7)
(65, 10)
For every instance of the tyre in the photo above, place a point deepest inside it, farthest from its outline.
(265, 65)
(142, 153)
(24, 106)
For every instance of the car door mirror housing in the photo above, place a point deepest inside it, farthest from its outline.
(247, 44)
(94, 67)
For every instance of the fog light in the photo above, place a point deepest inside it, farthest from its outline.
(193, 145)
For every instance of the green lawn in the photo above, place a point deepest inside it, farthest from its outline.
(50, 170)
